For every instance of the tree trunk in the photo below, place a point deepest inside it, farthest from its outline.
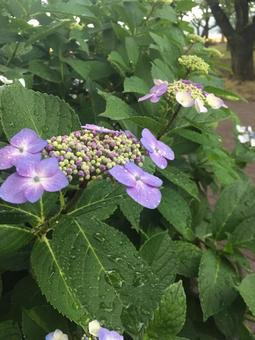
(241, 49)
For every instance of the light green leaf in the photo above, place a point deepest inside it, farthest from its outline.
(181, 179)
(166, 12)
(116, 109)
(45, 114)
(246, 289)
(159, 254)
(99, 199)
(13, 237)
(170, 316)
(132, 50)
(176, 211)
(216, 284)
(236, 203)
(72, 7)
(91, 69)
(90, 270)
(160, 70)
(135, 84)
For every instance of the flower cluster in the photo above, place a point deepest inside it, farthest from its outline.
(89, 153)
(33, 176)
(194, 38)
(186, 93)
(246, 135)
(103, 333)
(194, 63)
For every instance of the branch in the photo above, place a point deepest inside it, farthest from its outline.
(221, 18)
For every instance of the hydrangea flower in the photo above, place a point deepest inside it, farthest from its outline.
(246, 135)
(215, 102)
(194, 63)
(26, 144)
(141, 186)
(158, 151)
(97, 128)
(31, 180)
(103, 333)
(160, 87)
(56, 335)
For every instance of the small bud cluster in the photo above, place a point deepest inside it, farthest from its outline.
(194, 38)
(194, 63)
(89, 154)
(194, 89)
(213, 52)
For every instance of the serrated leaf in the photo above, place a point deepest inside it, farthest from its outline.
(158, 253)
(246, 289)
(116, 109)
(244, 235)
(176, 211)
(99, 199)
(216, 284)
(166, 12)
(135, 84)
(132, 211)
(170, 316)
(13, 237)
(236, 203)
(47, 115)
(181, 179)
(90, 270)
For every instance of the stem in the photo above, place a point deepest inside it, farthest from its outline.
(13, 54)
(41, 210)
(171, 120)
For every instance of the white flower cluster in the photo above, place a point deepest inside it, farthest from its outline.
(246, 135)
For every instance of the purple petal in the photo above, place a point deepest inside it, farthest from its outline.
(147, 96)
(27, 168)
(7, 155)
(47, 167)
(145, 195)
(134, 169)
(105, 334)
(122, 175)
(151, 139)
(159, 160)
(151, 180)
(55, 183)
(165, 150)
(155, 98)
(159, 90)
(28, 140)
(33, 191)
(94, 127)
(12, 190)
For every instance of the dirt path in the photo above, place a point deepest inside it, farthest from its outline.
(246, 112)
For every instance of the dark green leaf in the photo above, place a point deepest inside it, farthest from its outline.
(246, 289)
(9, 330)
(132, 211)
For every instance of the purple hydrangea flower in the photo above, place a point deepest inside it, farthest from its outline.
(105, 334)
(31, 180)
(156, 91)
(26, 144)
(97, 128)
(158, 151)
(56, 335)
(141, 186)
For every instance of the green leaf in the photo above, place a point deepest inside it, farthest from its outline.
(116, 60)
(216, 284)
(91, 69)
(9, 330)
(170, 316)
(47, 115)
(99, 199)
(148, 122)
(132, 211)
(116, 109)
(235, 204)
(181, 179)
(90, 270)
(160, 70)
(159, 254)
(14, 214)
(13, 237)
(246, 289)
(72, 7)
(132, 50)
(176, 211)
(44, 71)
(244, 235)
(166, 12)
(135, 84)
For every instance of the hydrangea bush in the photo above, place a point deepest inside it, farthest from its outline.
(122, 216)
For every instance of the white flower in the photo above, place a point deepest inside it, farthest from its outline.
(199, 106)
(56, 335)
(94, 327)
(245, 138)
(184, 98)
(22, 82)
(33, 22)
(44, 2)
(215, 102)
(240, 128)
(5, 80)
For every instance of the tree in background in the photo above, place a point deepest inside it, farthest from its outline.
(240, 35)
